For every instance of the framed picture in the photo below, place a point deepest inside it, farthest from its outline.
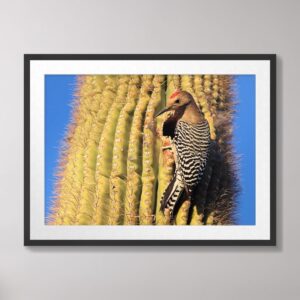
(150, 149)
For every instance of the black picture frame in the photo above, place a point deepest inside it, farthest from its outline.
(31, 57)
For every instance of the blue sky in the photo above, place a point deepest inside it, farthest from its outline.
(244, 144)
(58, 98)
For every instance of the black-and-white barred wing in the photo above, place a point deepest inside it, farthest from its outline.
(192, 146)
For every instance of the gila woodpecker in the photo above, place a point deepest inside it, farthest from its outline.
(190, 136)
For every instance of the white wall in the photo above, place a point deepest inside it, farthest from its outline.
(151, 26)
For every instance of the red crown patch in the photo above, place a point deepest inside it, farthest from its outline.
(175, 94)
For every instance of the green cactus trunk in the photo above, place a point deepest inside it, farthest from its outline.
(150, 161)
(135, 151)
(120, 151)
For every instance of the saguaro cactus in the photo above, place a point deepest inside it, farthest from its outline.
(115, 164)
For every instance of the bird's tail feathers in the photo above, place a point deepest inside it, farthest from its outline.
(172, 195)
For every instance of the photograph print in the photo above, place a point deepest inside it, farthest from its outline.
(149, 150)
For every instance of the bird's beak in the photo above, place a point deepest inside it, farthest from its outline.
(163, 111)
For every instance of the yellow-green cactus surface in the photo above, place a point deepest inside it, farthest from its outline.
(115, 163)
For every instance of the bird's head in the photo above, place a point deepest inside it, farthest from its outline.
(178, 100)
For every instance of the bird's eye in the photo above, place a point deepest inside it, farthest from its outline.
(177, 101)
